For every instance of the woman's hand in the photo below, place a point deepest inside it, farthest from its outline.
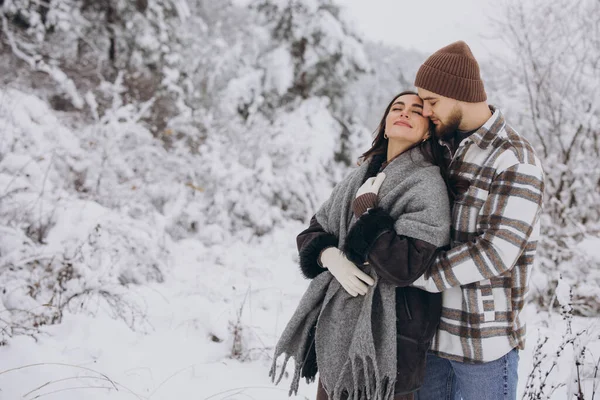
(348, 275)
(366, 196)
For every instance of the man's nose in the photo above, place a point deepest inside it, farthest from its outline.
(427, 111)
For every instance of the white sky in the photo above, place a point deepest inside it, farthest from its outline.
(428, 25)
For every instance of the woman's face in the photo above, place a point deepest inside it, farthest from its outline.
(405, 121)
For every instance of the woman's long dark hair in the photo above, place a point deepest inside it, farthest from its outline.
(432, 150)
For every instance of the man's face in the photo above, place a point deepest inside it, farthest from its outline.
(445, 113)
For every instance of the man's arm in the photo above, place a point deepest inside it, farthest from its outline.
(510, 214)
(398, 259)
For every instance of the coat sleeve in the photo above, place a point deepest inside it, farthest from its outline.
(513, 209)
(311, 242)
(400, 243)
(396, 258)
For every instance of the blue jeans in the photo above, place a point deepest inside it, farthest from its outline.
(453, 380)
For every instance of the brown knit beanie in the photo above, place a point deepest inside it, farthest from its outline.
(452, 72)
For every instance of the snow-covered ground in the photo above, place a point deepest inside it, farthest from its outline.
(188, 321)
(185, 349)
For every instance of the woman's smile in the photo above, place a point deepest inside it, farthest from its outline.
(403, 123)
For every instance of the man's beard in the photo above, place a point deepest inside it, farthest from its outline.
(445, 130)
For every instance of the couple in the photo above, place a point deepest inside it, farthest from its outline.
(429, 245)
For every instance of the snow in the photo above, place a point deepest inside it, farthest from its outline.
(147, 262)
(169, 335)
(591, 247)
(174, 355)
(279, 70)
(568, 341)
(140, 315)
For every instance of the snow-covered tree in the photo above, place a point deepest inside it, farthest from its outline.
(552, 88)
(80, 45)
(267, 111)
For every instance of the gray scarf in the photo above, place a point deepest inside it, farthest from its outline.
(356, 336)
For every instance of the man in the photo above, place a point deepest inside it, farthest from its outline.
(495, 227)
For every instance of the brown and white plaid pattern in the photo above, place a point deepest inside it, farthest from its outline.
(495, 228)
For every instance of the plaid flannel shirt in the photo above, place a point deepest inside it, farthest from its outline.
(495, 227)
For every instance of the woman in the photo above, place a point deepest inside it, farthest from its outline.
(361, 326)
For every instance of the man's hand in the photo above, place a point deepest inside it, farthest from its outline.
(348, 275)
(366, 196)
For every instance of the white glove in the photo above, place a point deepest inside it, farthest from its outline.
(348, 275)
(366, 196)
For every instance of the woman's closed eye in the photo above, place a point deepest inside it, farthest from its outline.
(413, 110)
